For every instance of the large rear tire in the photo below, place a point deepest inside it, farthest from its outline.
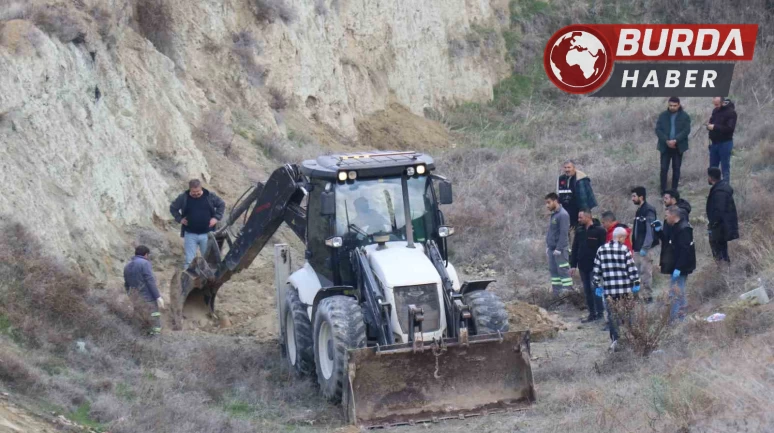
(338, 326)
(489, 313)
(299, 346)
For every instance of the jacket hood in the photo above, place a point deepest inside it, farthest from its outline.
(724, 186)
(681, 203)
(579, 175)
(205, 192)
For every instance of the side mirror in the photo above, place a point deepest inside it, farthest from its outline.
(445, 231)
(445, 190)
(327, 203)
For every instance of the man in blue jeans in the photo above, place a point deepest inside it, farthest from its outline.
(721, 128)
(681, 257)
(198, 211)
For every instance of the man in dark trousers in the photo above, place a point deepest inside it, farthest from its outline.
(589, 236)
(615, 276)
(672, 129)
(643, 239)
(721, 128)
(575, 192)
(138, 275)
(679, 259)
(723, 223)
(556, 245)
(198, 211)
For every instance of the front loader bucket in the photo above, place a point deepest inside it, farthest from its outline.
(397, 385)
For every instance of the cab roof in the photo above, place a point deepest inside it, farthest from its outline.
(366, 164)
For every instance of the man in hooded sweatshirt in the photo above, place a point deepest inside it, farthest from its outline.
(723, 223)
(198, 211)
(721, 128)
(138, 275)
(672, 129)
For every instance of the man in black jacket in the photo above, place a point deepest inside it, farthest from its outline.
(643, 240)
(672, 129)
(721, 128)
(198, 211)
(681, 257)
(575, 192)
(589, 236)
(672, 198)
(723, 223)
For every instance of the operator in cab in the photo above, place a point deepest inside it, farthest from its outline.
(367, 219)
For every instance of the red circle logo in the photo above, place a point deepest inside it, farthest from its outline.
(578, 59)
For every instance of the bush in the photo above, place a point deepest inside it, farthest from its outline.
(216, 131)
(155, 23)
(245, 47)
(61, 22)
(269, 11)
(643, 327)
(278, 101)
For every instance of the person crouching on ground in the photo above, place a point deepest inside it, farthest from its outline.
(138, 275)
(615, 276)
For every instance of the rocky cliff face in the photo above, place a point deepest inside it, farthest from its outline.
(108, 106)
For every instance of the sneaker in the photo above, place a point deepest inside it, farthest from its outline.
(613, 346)
(588, 319)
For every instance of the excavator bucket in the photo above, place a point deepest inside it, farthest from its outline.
(398, 384)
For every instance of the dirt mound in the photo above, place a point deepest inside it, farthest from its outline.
(398, 128)
(541, 323)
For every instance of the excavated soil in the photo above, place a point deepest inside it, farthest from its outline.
(541, 323)
(397, 128)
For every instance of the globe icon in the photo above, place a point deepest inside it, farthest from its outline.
(578, 59)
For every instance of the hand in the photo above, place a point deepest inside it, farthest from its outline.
(213, 221)
(160, 303)
(710, 126)
(636, 289)
(643, 252)
(557, 253)
(599, 292)
(573, 271)
(672, 143)
(184, 221)
(676, 274)
(658, 225)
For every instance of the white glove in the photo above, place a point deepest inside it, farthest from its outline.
(160, 303)
(557, 253)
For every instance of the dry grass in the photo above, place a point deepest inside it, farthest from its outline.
(644, 327)
(215, 130)
(245, 47)
(122, 380)
(269, 11)
(278, 101)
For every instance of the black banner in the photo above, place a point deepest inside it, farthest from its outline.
(668, 79)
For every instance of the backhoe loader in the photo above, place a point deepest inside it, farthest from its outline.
(376, 312)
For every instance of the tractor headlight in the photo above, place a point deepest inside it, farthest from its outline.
(420, 169)
(410, 171)
(342, 176)
(334, 242)
(445, 231)
(352, 175)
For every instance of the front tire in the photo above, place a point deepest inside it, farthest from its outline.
(299, 347)
(489, 313)
(338, 326)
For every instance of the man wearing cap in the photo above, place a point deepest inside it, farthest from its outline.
(672, 129)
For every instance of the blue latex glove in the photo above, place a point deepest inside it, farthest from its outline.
(636, 288)
(643, 252)
(599, 291)
(657, 225)
(676, 274)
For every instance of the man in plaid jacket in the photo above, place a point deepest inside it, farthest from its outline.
(615, 276)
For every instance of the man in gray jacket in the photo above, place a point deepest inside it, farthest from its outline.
(138, 275)
(556, 245)
(198, 210)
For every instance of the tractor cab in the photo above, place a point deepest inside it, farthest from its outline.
(362, 199)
